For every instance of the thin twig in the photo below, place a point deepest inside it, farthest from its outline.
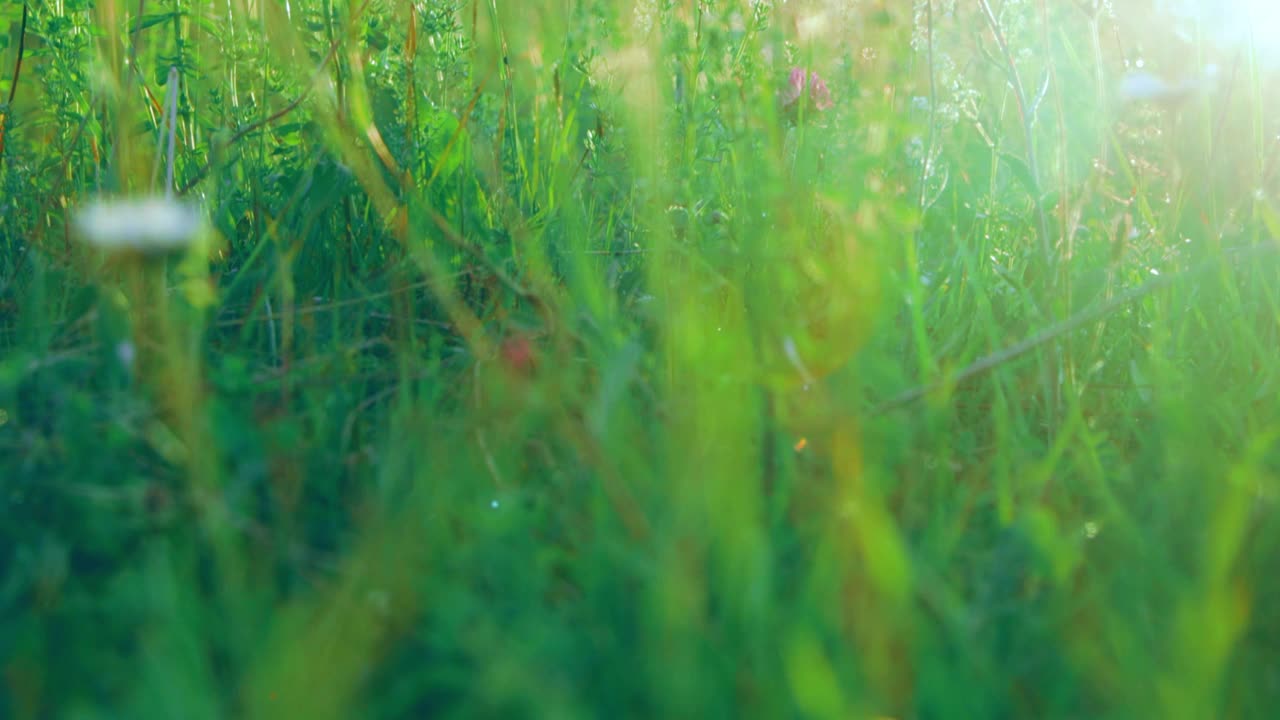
(271, 331)
(168, 130)
(17, 73)
(1084, 317)
(171, 109)
(22, 46)
(453, 238)
(323, 307)
(457, 133)
(253, 126)
(926, 166)
(349, 425)
(1047, 265)
(1024, 110)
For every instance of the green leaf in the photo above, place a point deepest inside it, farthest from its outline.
(146, 21)
(1022, 172)
(1270, 219)
(446, 152)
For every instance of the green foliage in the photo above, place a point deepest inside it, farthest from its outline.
(540, 359)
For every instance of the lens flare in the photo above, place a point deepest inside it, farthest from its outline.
(1233, 23)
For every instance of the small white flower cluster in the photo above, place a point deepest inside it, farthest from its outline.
(150, 225)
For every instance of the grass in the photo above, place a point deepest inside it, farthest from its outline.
(537, 359)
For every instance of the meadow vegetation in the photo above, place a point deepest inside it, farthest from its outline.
(635, 358)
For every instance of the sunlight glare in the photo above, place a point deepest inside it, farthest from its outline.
(1258, 22)
(1240, 23)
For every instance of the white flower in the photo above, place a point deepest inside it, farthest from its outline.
(1145, 86)
(1141, 86)
(151, 225)
(125, 353)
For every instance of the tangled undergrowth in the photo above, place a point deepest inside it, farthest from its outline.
(635, 357)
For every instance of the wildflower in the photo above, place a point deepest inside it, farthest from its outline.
(819, 95)
(1140, 86)
(150, 225)
(1145, 87)
(125, 353)
(518, 355)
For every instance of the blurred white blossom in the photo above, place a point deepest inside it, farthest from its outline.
(126, 353)
(152, 225)
(1142, 86)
